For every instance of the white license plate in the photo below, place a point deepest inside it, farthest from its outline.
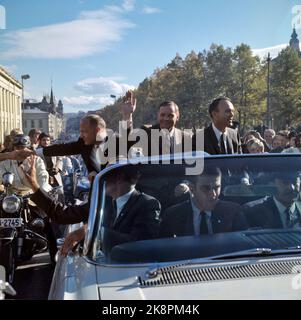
(11, 222)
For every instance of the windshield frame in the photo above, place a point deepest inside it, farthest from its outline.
(96, 214)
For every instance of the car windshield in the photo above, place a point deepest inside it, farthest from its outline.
(157, 213)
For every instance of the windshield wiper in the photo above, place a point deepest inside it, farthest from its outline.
(244, 253)
(258, 252)
(262, 252)
(293, 248)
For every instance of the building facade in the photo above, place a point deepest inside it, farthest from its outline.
(10, 104)
(46, 116)
(42, 120)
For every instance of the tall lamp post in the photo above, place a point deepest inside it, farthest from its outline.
(268, 121)
(24, 77)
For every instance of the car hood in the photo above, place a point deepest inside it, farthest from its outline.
(258, 288)
(266, 288)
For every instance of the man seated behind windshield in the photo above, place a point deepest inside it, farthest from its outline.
(136, 215)
(130, 215)
(204, 213)
(281, 210)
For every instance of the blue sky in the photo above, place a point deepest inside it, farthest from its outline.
(94, 48)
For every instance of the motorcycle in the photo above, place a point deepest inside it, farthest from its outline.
(21, 229)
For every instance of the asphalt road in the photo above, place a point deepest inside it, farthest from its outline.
(33, 278)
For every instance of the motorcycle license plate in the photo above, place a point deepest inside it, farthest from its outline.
(11, 222)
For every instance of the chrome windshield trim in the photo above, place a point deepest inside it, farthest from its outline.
(92, 214)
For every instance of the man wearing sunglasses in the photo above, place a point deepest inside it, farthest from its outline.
(204, 213)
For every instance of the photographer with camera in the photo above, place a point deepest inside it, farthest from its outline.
(54, 167)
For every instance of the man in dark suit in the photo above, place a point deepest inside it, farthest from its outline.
(93, 134)
(204, 213)
(136, 216)
(219, 138)
(163, 137)
(93, 145)
(279, 211)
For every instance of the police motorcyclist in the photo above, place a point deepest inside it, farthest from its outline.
(21, 186)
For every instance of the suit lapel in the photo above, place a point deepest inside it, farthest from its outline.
(213, 140)
(86, 154)
(127, 207)
(189, 229)
(230, 149)
(274, 216)
(217, 219)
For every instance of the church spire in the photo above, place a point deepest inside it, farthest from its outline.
(51, 95)
(294, 42)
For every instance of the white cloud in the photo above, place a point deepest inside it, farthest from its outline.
(88, 101)
(150, 10)
(128, 5)
(97, 92)
(103, 86)
(93, 32)
(274, 51)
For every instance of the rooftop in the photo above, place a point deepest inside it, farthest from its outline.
(33, 111)
(9, 77)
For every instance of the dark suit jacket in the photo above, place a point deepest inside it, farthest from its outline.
(264, 215)
(211, 143)
(138, 220)
(59, 213)
(79, 147)
(178, 220)
(72, 148)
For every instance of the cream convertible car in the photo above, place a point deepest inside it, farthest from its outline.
(158, 247)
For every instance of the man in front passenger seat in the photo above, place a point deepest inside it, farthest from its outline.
(282, 210)
(204, 213)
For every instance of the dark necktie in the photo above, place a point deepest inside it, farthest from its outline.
(172, 144)
(222, 144)
(203, 226)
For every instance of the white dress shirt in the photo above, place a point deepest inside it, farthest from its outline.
(122, 201)
(218, 134)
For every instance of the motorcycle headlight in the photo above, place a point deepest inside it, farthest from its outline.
(11, 204)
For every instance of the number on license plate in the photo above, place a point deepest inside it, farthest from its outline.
(11, 222)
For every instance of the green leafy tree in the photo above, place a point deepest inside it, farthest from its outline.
(286, 89)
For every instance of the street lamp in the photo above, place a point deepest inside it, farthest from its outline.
(113, 97)
(268, 120)
(24, 77)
